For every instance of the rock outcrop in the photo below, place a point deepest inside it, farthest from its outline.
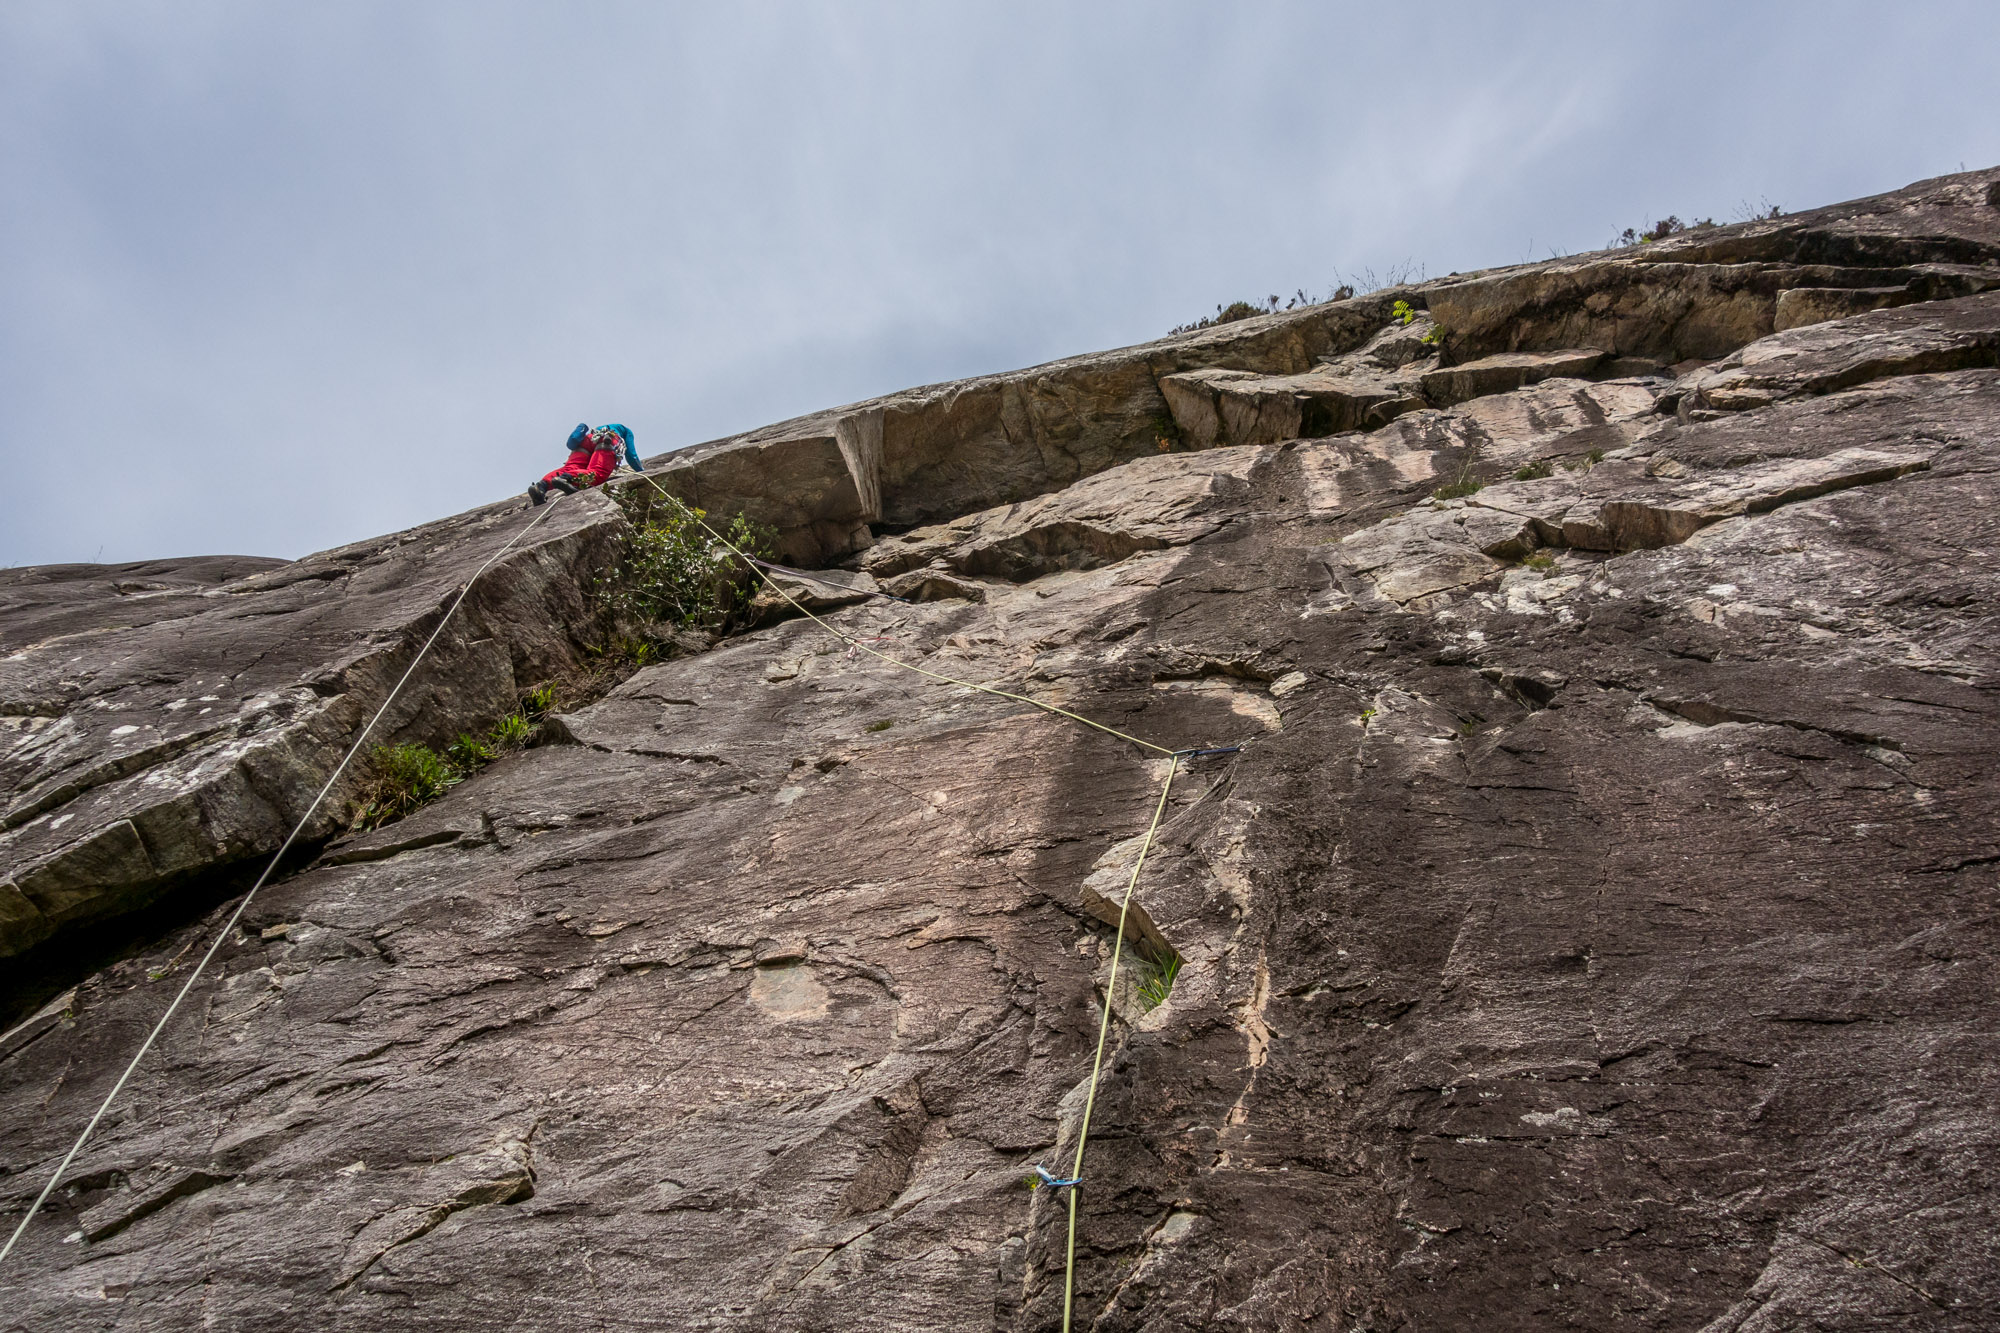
(1595, 928)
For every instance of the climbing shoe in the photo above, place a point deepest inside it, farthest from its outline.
(538, 492)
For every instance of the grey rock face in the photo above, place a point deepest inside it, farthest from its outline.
(1595, 928)
(164, 724)
(1947, 335)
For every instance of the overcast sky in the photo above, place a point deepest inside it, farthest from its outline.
(275, 277)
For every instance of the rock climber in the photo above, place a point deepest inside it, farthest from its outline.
(593, 456)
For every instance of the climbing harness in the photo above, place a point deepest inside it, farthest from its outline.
(1043, 1177)
(235, 916)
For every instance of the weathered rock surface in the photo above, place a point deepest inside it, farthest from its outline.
(1136, 507)
(1358, 390)
(1947, 335)
(173, 720)
(1506, 371)
(1595, 930)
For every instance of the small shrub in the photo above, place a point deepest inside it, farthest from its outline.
(1225, 314)
(407, 776)
(1542, 562)
(1534, 471)
(1433, 336)
(883, 725)
(673, 571)
(1159, 982)
(1235, 310)
(1402, 312)
(1669, 225)
(1366, 714)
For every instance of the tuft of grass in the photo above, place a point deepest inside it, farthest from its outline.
(1465, 481)
(1534, 471)
(407, 777)
(1159, 982)
(634, 652)
(1542, 562)
(510, 733)
(1586, 463)
(883, 725)
(468, 753)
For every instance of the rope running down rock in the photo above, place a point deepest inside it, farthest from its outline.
(1118, 942)
(230, 925)
(756, 566)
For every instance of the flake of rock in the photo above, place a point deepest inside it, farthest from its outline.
(1223, 408)
(784, 594)
(931, 585)
(1800, 306)
(1146, 505)
(1505, 371)
(1824, 357)
(1625, 506)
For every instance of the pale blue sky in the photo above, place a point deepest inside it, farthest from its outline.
(275, 277)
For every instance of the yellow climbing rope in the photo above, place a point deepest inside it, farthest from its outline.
(1124, 905)
(1104, 1027)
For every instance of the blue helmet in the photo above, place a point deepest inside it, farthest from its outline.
(578, 436)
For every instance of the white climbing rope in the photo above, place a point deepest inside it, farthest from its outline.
(230, 925)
